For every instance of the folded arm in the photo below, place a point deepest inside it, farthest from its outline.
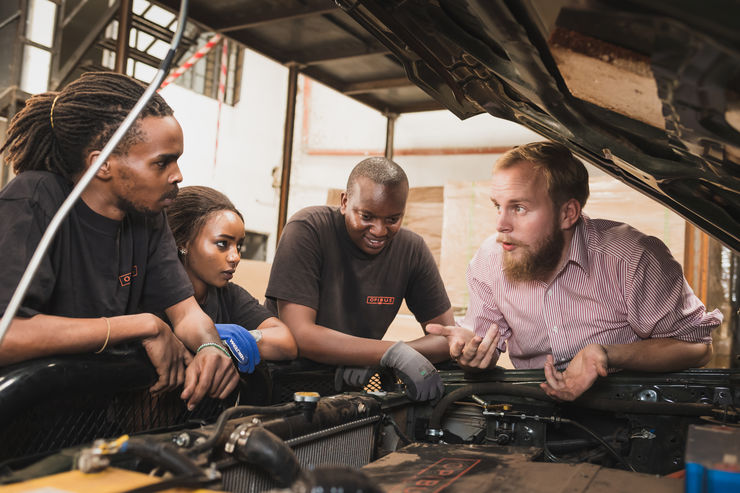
(594, 360)
(47, 335)
(329, 346)
(277, 342)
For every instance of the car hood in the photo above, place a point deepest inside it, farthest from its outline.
(645, 90)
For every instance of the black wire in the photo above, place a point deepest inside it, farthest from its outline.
(387, 418)
(549, 455)
(611, 450)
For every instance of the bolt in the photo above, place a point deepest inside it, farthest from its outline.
(182, 440)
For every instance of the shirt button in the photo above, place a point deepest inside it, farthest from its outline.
(555, 329)
(549, 293)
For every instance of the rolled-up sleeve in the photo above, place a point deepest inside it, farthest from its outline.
(660, 302)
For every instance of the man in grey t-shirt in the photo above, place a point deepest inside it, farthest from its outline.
(340, 275)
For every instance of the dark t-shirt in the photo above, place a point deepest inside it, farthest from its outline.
(95, 266)
(233, 304)
(317, 265)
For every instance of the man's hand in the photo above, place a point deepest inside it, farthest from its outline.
(167, 354)
(422, 380)
(470, 351)
(211, 372)
(583, 370)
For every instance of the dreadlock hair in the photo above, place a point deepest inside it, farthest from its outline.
(56, 131)
(380, 170)
(191, 209)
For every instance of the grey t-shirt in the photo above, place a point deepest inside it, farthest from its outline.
(317, 265)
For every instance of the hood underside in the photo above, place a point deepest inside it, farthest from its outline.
(646, 90)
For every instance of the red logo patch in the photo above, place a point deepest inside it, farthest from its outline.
(125, 279)
(380, 300)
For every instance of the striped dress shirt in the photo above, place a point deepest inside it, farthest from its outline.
(617, 286)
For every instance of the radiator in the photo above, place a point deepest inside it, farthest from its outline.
(349, 444)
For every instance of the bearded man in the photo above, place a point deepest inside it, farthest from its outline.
(577, 296)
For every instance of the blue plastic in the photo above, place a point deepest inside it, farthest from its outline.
(700, 479)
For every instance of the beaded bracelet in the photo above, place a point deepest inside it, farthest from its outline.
(216, 345)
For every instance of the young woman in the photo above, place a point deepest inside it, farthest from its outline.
(209, 232)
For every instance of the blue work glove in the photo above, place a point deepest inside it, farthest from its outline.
(241, 344)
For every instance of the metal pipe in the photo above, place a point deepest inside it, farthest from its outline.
(12, 109)
(56, 221)
(124, 31)
(16, 69)
(287, 147)
(390, 129)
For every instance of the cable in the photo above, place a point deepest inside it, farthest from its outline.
(546, 450)
(56, 221)
(611, 450)
(387, 418)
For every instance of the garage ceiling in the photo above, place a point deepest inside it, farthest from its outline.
(322, 40)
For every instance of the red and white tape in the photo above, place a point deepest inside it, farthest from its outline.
(192, 60)
(221, 94)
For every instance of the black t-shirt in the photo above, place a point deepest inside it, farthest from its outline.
(233, 304)
(95, 266)
(317, 265)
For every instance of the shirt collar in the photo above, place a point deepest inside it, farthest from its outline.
(578, 251)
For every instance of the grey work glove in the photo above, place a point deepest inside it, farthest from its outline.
(423, 383)
(353, 376)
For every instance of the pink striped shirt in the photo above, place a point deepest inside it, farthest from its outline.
(618, 286)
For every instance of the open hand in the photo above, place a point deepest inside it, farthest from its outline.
(470, 351)
(590, 363)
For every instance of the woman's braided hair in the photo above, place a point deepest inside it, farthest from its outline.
(56, 131)
(192, 208)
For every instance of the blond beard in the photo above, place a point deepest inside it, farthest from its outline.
(538, 263)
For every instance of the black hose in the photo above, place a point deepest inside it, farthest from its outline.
(644, 407)
(164, 455)
(435, 420)
(599, 404)
(264, 449)
(232, 412)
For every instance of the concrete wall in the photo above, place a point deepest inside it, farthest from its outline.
(332, 134)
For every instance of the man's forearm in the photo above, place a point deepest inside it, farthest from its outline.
(47, 335)
(658, 355)
(194, 330)
(191, 325)
(324, 345)
(434, 347)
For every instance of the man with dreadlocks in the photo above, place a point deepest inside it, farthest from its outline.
(113, 263)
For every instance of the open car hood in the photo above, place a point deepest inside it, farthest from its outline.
(645, 90)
